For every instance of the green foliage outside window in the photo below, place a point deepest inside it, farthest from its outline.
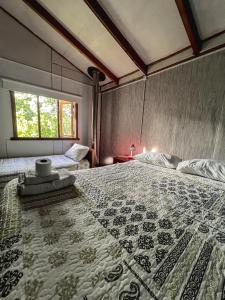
(67, 121)
(26, 115)
(48, 117)
(31, 108)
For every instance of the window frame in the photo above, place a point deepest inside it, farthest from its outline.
(59, 119)
(74, 110)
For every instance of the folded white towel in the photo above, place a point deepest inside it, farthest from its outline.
(66, 179)
(48, 195)
(31, 178)
(32, 201)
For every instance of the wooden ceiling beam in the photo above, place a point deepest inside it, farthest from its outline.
(42, 12)
(116, 33)
(187, 17)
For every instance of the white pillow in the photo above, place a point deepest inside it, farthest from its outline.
(159, 159)
(209, 168)
(77, 152)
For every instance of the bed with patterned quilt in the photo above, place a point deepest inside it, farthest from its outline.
(132, 231)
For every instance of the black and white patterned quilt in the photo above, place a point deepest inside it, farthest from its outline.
(134, 231)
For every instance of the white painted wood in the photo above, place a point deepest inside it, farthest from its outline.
(18, 44)
(29, 148)
(77, 16)
(6, 128)
(17, 71)
(66, 145)
(37, 90)
(31, 51)
(219, 40)
(57, 147)
(57, 82)
(154, 28)
(40, 27)
(209, 16)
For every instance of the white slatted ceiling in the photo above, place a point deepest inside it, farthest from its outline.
(153, 27)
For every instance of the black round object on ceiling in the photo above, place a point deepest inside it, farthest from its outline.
(91, 71)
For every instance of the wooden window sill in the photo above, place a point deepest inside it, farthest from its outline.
(42, 139)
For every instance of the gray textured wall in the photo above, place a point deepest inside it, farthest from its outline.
(183, 112)
(121, 116)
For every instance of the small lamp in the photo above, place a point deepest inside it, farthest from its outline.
(132, 149)
(154, 149)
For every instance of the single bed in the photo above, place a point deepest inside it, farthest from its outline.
(134, 231)
(9, 166)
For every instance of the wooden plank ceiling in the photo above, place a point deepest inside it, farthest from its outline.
(120, 37)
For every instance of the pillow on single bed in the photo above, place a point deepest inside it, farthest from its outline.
(77, 152)
(159, 159)
(208, 168)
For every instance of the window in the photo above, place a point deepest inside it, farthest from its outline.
(39, 117)
(65, 118)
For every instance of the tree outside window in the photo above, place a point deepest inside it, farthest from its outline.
(43, 117)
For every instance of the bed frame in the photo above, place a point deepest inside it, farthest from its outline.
(90, 157)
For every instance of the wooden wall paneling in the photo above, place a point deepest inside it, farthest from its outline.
(182, 108)
(98, 128)
(51, 20)
(158, 125)
(106, 134)
(203, 100)
(219, 152)
(121, 120)
(106, 21)
(183, 112)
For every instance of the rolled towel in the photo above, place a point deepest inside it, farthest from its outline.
(35, 189)
(31, 178)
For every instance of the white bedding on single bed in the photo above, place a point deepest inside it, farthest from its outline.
(22, 164)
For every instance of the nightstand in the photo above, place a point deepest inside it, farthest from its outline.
(121, 159)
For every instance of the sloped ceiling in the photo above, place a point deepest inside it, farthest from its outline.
(209, 16)
(153, 27)
(87, 28)
(41, 28)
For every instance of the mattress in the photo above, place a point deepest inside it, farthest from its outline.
(17, 165)
(133, 231)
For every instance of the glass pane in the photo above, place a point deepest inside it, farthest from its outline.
(26, 115)
(67, 119)
(48, 117)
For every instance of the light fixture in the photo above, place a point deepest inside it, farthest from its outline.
(108, 160)
(132, 149)
(144, 150)
(154, 149)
